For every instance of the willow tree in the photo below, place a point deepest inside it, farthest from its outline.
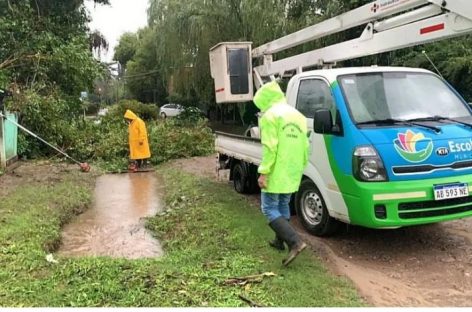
(185, 32)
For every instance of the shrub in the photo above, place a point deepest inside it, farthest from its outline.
(190, 116)
(170, 140)
(52, 117)
(107, 141)
(146, 112)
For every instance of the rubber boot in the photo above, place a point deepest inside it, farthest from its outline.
(277, 243)
(284, 230)
(132, 167)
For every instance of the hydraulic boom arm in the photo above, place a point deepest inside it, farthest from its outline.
(391, 25)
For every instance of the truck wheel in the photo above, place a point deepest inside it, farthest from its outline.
(240, 179)
(253, 176)
(311, 210)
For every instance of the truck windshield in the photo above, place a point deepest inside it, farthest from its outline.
(399, 96)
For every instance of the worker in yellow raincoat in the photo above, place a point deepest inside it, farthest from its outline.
(138, 140)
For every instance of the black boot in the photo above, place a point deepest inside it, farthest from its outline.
(277, 243)
(284, 230)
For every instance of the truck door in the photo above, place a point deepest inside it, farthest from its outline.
(314, 93)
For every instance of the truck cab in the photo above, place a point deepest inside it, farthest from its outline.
(390, 147)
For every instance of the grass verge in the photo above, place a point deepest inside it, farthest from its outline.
(209, 232)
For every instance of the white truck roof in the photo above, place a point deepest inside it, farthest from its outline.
(332, 74)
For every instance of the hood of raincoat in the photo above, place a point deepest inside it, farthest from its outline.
(269, 95)
(130, 115)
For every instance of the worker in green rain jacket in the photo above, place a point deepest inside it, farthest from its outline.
(285, 155)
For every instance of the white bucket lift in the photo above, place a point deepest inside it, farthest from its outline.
(230, 64)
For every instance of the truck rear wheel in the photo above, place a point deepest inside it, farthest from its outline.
(312, 212)
(240, 179)
(245, 178)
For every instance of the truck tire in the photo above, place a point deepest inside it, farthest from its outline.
(312, 212)
(240, 178)
(253, 176)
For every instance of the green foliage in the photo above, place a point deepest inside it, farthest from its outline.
(452, 57)
(145, 111)
(180, 34)
(52, 117)
(45, 58)
(107, 141)
(46, 43)
(143, 78)
(190, 115)
(170, 139)
(91, 108)
(126, 48)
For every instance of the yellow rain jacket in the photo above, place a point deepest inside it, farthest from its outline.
(138, 138)
(284, 140)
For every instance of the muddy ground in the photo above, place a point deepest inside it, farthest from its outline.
(419, 266)
(41, 172)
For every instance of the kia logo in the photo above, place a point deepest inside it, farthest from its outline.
(442, 151)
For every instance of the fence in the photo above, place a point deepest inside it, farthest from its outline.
(8, 140)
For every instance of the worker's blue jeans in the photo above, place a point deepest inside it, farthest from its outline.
(274, 206)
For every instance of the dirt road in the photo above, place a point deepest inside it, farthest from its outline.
(420, 266)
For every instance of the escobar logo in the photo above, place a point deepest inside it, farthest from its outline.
(461, 150)
(413, 147)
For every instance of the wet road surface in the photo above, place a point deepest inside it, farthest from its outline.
(114, 226)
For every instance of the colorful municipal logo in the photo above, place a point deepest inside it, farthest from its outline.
(413, 147)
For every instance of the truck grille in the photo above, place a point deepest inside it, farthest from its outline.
(430, 208)
(460, 165)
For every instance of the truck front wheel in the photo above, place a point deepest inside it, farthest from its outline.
(312, 212)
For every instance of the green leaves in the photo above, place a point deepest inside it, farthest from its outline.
(45, 43)
(126, 49)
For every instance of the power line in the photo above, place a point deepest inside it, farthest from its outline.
(142, 74)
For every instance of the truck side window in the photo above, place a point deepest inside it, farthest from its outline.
(314, 94)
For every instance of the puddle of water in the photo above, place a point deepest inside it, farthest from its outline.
(114, 226)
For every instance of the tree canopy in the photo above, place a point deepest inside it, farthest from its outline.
(180, 33)
(47, 44)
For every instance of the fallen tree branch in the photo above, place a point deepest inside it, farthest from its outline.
(250, 302)
(248, 279)
(9, 62)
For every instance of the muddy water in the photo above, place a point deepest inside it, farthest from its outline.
(114, 227)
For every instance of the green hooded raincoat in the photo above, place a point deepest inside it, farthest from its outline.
(284, 141)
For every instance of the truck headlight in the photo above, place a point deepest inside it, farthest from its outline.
(367, 165)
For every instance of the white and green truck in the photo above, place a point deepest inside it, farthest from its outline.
(390, 146)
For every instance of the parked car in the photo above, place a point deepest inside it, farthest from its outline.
(170, 110)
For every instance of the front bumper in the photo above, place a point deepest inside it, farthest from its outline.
(405, 203)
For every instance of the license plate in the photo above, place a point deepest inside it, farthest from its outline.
(448, 191)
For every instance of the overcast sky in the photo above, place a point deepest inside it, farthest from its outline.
(114, 20)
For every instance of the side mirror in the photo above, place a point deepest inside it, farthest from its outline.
(323, 122)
